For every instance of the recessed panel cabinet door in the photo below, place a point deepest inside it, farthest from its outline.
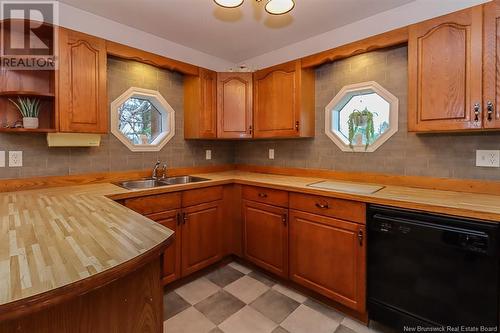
(200, 105)
(83, 106)
(491, 102)
(201, 236)
(328, 255)
(266, 236)
(445, 72)
(172, 256)
(276, 113)
(234, 105)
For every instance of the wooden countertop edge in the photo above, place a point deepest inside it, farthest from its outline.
(26, 306)
(454, 211)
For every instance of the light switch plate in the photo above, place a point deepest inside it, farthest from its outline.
(208, 154)
(15, 159)
(271, 154)
(2, 159)
(488, 158)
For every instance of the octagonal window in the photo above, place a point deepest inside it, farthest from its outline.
(142, 119)
(361, 117)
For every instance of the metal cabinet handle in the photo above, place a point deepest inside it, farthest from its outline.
(250, 129)
(360, 237)
(297, 125)
(184, 218)
(285, 219)
(491, 109)
(477, 111)
(262, 195)
(322, 205)
(179, 219)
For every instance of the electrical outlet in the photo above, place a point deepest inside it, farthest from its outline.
(15, 159)
(2, 159)
(488, 158)
(208, 154)
(271, 154)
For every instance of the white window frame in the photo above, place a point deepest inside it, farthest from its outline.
(167, 118)
(363, 88)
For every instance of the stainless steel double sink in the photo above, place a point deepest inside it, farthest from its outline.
(152, 183)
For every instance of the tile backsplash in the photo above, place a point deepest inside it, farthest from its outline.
(112, 155)
(437, 155)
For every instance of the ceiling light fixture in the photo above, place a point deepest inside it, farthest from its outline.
(279, 7)
(229, 3)
(274, 7)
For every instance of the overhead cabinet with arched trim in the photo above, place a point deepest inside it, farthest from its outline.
(276, 102)
(451, 59)
(82, 92)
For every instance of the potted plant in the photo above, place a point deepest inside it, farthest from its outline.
(361, 122)
(29, 109)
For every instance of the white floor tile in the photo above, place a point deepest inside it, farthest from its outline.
(306, 320)
(241, 268)
(197, 290)
(188, 321)
(248, 320)
(246, 289)
(290, 293)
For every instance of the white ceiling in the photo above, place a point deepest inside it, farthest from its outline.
(234, 34)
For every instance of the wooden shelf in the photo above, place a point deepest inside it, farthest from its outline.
(27, 130)
(16, 93)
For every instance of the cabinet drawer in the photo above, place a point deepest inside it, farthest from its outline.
(266, 195)
(343, 209)
(154, 203)
(202, 195)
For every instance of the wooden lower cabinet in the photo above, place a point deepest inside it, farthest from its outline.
(328, 255)
(265, 230)
(201, 237)
(172, 256)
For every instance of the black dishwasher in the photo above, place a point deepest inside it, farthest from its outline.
(432, 270)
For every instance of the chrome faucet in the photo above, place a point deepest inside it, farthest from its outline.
(164, 171)
(155, 170)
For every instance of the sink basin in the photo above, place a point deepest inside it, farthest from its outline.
(183, 180)
(141, 184)
(152, 183)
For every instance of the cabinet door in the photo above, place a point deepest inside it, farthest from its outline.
(445, 72)
(208, 115)
(234, 105)
(83, 106)
(172, 256)
(327, 255)
(491, 102)
(200, 105)
(266, 236)
(201, 237)
(276, 113)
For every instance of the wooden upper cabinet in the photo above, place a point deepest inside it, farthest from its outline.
(328, 256)
(82, 98)
(284, 101)
(200, 105)
(491, 101)
(234, 105)
(445, 72)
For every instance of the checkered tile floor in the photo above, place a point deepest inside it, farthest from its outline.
(235, 299)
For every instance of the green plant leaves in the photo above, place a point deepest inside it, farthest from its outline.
(28, 107)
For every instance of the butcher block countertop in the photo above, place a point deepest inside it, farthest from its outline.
(57, 238)
(53, 241)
